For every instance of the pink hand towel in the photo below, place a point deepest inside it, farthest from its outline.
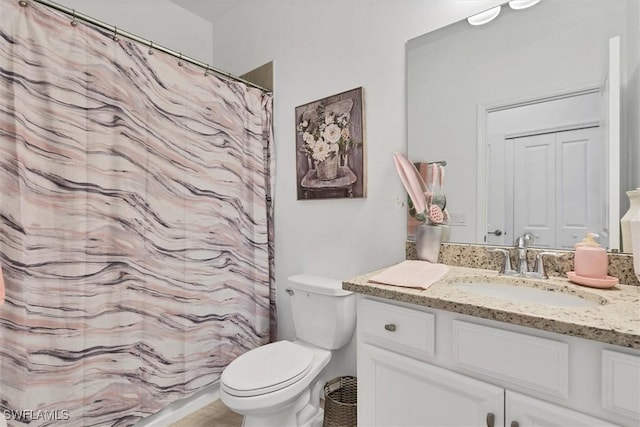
(411, 274)
(1, 286)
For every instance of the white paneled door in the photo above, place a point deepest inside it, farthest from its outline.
(581, 204)
(534, 182)
(558, 187)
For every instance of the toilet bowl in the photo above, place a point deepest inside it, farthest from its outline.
(272, 394)
(279, 384)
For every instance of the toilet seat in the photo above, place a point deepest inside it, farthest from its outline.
(267, 369)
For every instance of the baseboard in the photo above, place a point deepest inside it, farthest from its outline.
(178, 410)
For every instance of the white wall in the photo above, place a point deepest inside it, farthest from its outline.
(320, 48)
(160, 21)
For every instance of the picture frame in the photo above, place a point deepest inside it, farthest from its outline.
(330, 147)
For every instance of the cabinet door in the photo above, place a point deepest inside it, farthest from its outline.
(529, 412)
(394, 390)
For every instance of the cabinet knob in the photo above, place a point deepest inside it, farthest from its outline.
(515, 424)
(390, 327)
(491, 419)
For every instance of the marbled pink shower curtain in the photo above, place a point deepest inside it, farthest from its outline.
(135, 224)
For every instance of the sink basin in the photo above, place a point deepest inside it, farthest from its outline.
(552, 296)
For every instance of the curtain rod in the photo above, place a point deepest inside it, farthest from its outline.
(117, 32)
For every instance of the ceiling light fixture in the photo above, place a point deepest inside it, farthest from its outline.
(522, 4)
(484, 17)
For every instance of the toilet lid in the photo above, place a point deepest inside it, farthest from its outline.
(266, 369)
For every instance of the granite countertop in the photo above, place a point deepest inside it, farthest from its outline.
(615, 320)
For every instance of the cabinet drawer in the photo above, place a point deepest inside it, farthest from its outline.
(400, 329)
(621, 383)
(522, 360)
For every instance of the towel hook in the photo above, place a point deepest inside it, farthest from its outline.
(150, 48)
(73, 20)
(180, 61)
(206, 71)
(22, 3)
(115, 34)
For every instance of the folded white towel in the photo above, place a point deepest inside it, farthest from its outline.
(411, 274)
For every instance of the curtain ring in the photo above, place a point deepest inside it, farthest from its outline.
(180, 61)
(22, 3)
(73, 21)
(206, 71)
(115, 34)
(150, 48)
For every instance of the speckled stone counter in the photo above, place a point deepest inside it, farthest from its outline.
(616, 320)
(478, 256)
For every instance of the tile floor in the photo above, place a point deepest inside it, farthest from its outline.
(213, 415)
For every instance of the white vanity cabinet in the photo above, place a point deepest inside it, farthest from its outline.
(395, 390)
(424, 367)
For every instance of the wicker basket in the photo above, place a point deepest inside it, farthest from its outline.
(340, 402)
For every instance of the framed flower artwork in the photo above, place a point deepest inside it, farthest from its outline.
(330, 147)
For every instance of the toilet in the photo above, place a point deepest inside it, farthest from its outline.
(279, 384)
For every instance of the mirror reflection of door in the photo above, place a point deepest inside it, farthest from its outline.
(546, 172)
(558, 187)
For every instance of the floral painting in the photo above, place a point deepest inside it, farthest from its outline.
(330, 147)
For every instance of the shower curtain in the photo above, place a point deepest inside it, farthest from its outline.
(135, 223)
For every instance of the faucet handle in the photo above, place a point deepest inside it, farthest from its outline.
(506, 260)
(539, 267)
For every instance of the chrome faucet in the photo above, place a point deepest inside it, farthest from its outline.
(522, 243)
(522, 268)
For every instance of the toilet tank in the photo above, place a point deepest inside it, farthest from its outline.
(324, 314)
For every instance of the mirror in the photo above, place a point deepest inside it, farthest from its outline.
(464, 81)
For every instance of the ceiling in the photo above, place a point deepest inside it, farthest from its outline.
(211, 10)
